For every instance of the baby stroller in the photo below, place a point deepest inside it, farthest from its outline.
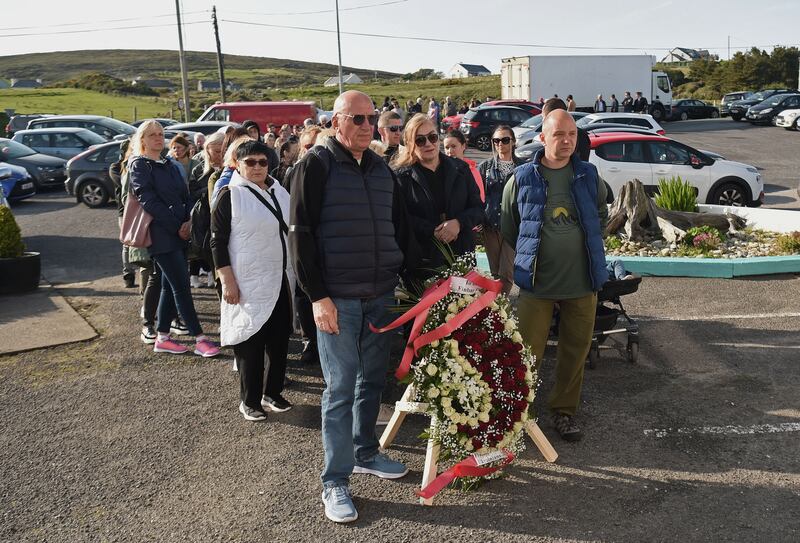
(611, 319)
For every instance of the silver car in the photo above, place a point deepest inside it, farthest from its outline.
(60, 142)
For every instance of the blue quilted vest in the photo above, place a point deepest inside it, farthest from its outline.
(531, 200)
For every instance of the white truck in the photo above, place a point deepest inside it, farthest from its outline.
(586, 76)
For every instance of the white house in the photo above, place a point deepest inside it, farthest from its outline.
(461, 70)
(684, 54)
(350, 79)
(213, 86)
(25, 83)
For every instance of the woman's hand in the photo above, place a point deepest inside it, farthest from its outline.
(447, 231)
(230, 288)
(185, 230)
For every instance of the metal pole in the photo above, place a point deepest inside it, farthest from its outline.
(220, 64)
(339, 45)
(184, 77)
(729, 47)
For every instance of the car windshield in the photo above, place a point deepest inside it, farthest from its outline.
(119, 126)
(11, 149)
(759, 96)
(91, 138)
(533, 122)
(583, 122)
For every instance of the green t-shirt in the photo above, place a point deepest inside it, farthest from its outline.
(562, 264)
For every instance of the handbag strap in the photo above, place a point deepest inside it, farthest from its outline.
(276, 212)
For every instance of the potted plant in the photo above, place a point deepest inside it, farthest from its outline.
(19, 270)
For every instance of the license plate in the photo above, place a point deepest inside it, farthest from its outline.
(26, 186)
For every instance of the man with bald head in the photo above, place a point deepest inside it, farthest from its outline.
(554, 212)
(349, 240)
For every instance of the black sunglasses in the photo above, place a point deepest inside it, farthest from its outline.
(505, 141)
(433, 137)
(394, 128)
(251, 162)
(359, 119)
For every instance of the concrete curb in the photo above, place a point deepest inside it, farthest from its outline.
(725, 268)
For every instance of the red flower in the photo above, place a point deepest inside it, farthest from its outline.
(477, 443)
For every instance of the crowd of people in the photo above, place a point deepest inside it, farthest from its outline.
(312, 227)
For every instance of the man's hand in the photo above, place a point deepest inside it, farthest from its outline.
(185, 230)
(447, 231)
(325, 316)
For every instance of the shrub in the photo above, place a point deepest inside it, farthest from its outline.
(676, 195)
(613, 243)
(704, 238)
(788, 244)
(11, 245)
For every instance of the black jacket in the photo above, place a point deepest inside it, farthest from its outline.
(462, 202)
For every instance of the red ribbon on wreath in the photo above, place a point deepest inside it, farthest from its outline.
(466, 468)
(419, 313)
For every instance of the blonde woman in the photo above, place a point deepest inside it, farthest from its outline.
(440, 193)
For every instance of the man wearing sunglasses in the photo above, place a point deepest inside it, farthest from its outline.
(390, 127)
(350, 238)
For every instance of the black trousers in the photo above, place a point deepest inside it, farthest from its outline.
(272, 340)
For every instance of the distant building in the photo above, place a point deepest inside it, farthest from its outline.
(684, 54)
(467, 70)
(26, 83)
(154, 84)
(351, 79)
(213, 86)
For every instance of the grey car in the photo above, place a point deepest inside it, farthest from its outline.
(106, 127)
(87, 174)
(724, 106)
(46, 171)
(59, 142)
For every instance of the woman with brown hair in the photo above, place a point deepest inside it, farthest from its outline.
(439, 193)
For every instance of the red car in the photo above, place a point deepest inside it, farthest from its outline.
(534, 109)
(451, 123)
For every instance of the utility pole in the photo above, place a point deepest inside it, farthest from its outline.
(220, 64)
(339, 44)
(184, 77)
(729, 47)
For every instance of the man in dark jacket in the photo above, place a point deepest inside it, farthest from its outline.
(627, 103)
(349, 239)
(554, 212)
(390, 127)
(640, 104)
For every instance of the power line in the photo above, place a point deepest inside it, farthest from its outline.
(90, 30)
(354, 8)
(470, 42)
(98, 22)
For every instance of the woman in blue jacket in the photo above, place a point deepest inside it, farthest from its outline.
(159, 186)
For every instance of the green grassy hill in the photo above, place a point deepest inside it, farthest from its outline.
(253, 72)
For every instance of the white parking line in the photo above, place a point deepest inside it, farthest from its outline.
(755, 346)
(727, 430)
(749, 316)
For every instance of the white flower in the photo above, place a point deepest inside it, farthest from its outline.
(433, 392)
(510, 325)
(468, 445)
(503, 314)
(462, 302)
(448, 317)
(524, 416)
(483, 417)
(452, 429)
(531, 395)
(473, 421)
(446, 402)
(517, 426)
(435, 343)
(453, 348)
(452, 308)
(516, 337)
(449, 412)
(431, 369)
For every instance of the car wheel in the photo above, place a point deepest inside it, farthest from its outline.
(657, 112)
(794, 125)
(93, 194)
(736, 117)
(484, 142)
(728, 194)
(684, 115)
(714, 114)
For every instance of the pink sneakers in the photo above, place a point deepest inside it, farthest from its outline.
(168, 345)
(205, 347)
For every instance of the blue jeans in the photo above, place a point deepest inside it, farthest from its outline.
(176, 293)
(354, 365)
(616, 269)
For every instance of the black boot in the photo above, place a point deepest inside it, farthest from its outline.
(310, 354)
(130, 279)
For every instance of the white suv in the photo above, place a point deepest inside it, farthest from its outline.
(621, 157)
(788, 119)
(640, 120)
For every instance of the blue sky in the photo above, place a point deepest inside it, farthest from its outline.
(650, 27)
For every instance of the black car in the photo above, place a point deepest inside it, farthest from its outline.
(163, 122)
(766, 111)
(478, 124)
(693, 109)
(45, 170)
(730, 98)
(205, 127)
(88, 178)
(739, 109)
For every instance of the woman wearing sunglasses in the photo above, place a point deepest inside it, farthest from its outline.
(440, 194)
(249, 243)
(495, 172)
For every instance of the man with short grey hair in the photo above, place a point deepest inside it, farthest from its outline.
(350, 238)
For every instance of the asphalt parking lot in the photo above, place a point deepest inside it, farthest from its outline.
(105, 441)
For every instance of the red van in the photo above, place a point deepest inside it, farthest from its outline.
(263, 113)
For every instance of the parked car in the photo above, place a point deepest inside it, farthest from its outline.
(263, 113)
(620, 157)
(535, 109)
(87, 174)
(205, 127)
(732, 97)
(693, 109)
(479, 123)
(163, 122)
(766, 111)
(45, 170)
(528, 132)
(738, 109)
(527, 151)
(788, 119)
(20, 122)
(16, 182)
(59, 142)
(453, 122)
(106, 127)
(640, 120)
